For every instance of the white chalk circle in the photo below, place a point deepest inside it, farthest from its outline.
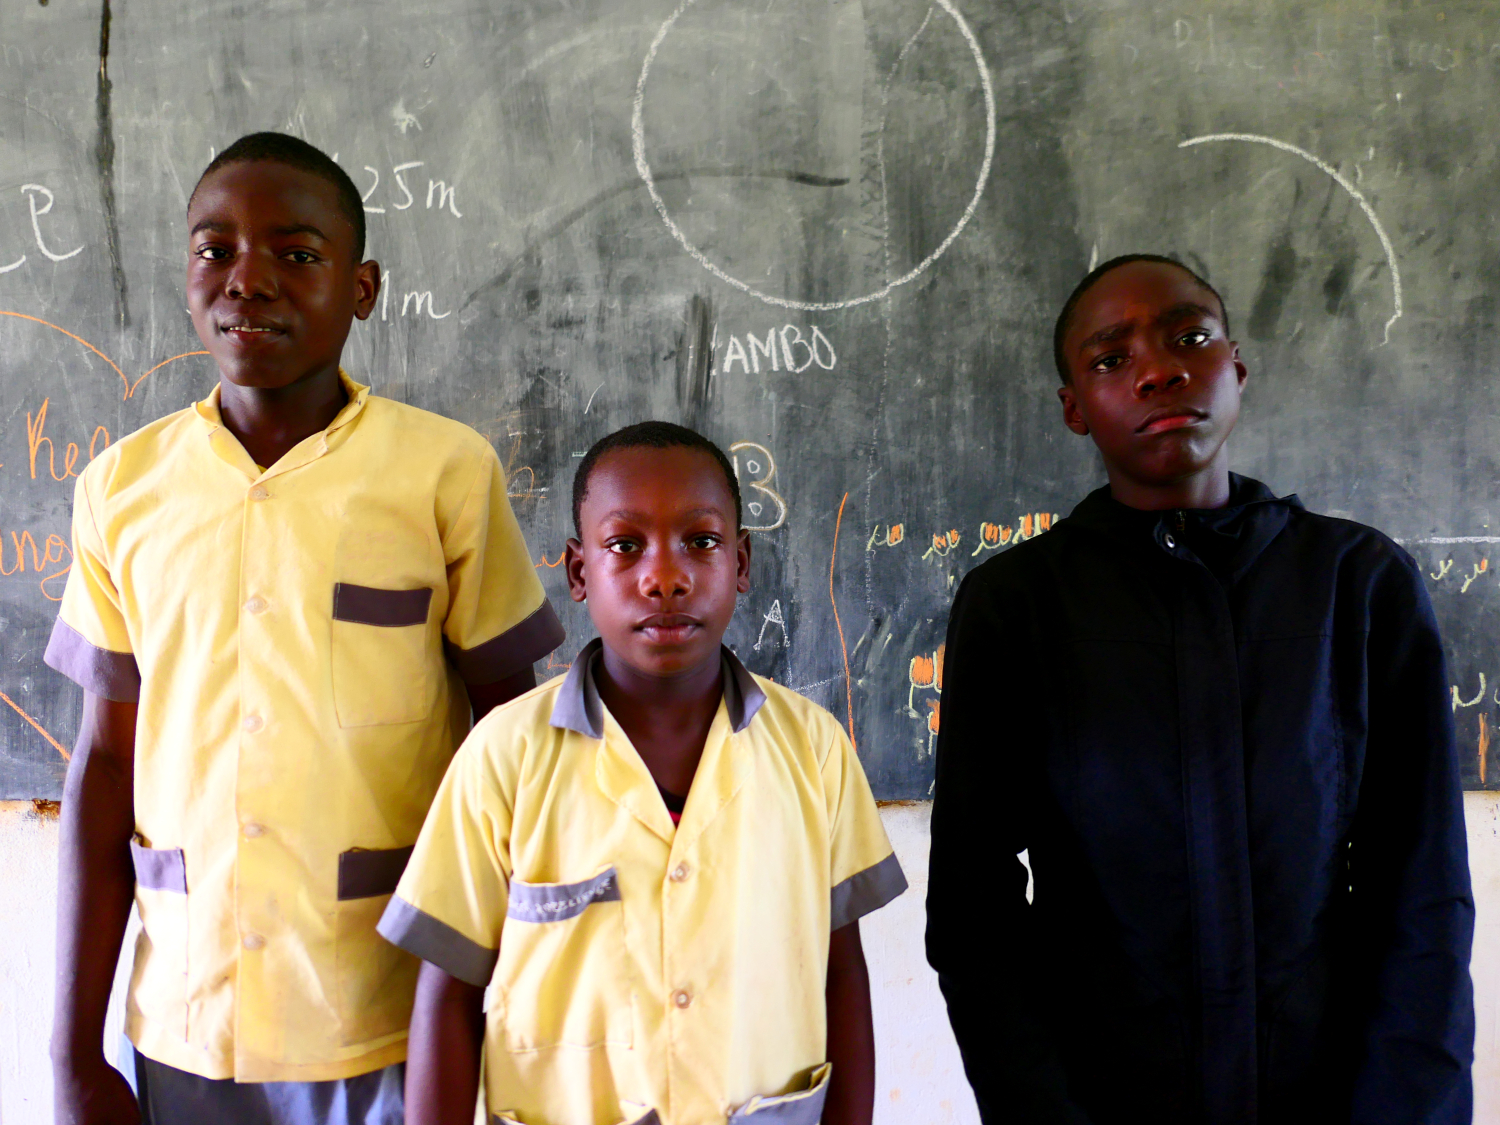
(643, 167)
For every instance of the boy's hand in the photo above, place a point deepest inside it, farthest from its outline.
(92, 1093)
(443, 1052)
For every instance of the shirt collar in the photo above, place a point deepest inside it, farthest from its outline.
(358, 393)
(579, 708)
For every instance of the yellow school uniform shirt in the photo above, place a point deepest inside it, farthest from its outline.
(284, 633)
(635, 972)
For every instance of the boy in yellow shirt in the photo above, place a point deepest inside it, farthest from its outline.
(638, 890)
(285, 603)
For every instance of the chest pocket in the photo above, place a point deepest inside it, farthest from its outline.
(386, 645)
(562, 978)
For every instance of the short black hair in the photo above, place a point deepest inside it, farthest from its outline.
(651, 435)
(296, 153)
(1065, 318)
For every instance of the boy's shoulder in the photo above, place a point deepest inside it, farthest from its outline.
(424, 432)
(791, 714)
(141, 452)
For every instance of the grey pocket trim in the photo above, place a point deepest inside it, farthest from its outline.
(367, 605)
(419, 933)
(159, 869)
(108, 674)
(367, 872)
(557, 902)
(866, 891)
(803, 1107)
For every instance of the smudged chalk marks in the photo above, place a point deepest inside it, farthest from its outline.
(643, 168)
(1354, 192)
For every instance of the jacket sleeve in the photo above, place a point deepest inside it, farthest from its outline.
(980, 935)
(1409, 874)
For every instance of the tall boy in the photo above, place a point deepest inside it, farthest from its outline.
(639, 887)
(264, 589)
(1220, 726)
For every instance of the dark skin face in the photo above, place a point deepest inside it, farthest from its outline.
(660, 564)
(273, 286)
(1156, 383)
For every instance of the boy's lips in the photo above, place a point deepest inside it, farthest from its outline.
(247, 331)
(1170, 418)
(669, 628)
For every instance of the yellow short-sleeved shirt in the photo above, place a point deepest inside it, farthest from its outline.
(632, 968)
(296, 640)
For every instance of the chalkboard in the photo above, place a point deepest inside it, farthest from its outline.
(832, 234)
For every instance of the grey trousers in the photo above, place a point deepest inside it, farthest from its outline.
(173, 1097)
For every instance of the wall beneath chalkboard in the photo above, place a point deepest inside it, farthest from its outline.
(832, 234)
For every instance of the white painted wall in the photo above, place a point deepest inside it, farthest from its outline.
(920, 1080)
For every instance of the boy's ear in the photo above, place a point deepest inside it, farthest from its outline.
(742, 561)
(1072, 417)
(1239, 364)
(573, 567)
(366, 288)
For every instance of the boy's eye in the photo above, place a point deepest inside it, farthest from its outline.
(622, 547)
(302, 257)
(1193, 337)
(1107, 362)
(211, 253)
(703, 542)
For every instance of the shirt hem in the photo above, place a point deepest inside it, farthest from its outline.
(160, 1045)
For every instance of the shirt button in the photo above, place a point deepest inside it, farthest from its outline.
(259, 493)
(254, 830)
(253, 723)
(253, 942)
(1170, 542)
(256, 604)
(680, 872)
(682, 998)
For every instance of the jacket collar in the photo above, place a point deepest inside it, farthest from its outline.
(579, 708)
(1242, 529)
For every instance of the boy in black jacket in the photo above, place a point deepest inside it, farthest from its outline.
(1228, 749)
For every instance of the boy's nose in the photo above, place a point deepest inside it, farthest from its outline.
(249, 278)
(1160, 374)
(665, 577)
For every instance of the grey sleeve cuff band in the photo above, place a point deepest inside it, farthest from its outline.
(513, 650)
(108, 674)
(866, 891)
(405, 926)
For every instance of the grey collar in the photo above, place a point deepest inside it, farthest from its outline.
(578, 707)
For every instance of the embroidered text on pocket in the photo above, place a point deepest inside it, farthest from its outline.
(557, 902)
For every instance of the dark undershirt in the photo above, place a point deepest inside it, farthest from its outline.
(674, 803)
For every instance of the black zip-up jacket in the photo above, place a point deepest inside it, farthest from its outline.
(1225, 739)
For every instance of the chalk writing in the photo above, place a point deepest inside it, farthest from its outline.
(779, 349)
(894, 535)
(33, 193)
(943, 544)
(36, 437)
(440, 193)
(24, 550)
(1458, 701)
(774, 617)
(925, 673)
(761, 466)
(413, 301)
(993, 536)
(130, 388)
(56, 745)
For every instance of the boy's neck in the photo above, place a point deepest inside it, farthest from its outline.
(1208, 488)
(269, 421)
(666, 718)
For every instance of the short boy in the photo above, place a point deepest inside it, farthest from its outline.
(640, 884)
(1220, 726)
(277, 599)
